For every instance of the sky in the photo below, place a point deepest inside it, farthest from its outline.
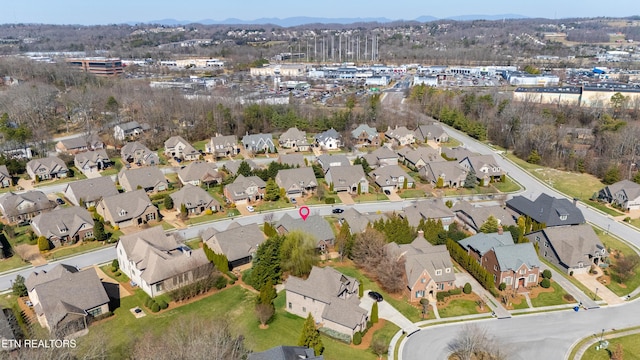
(91, 12)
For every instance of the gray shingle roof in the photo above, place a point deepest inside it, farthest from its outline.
(237, 190)
(4, 172)
(258, 142)
(90, 189)
(478, 215)
(12, 204)
(425, 153)
(420, 255)
(235, 242)
(193, 197)
(357, 221)
(315, 225)
(51, 164)
(175, 140)
(488, 162)
(631, 189)
(89, 141)
(391, 175)
(294, 135)
(300, 178)
(145, 178)
(447, 170)
(398, 133)
(345, 176)
(381, 153)
(548, 210)
(129, 126)
(232, 166)
(126, 205)
(292, 159)
(511, 257)
(137, 152)
(573, 244)
(482, 242)
(66, 290)
(90, 158)
(327, 161)
(200, 170)
(457, 153)
(286, 353)
(62, 222)
(426, 209)
(429, 132)
(371, 132)
(158, 256)
(323, 137)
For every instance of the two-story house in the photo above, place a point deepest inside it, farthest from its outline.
(400, 136)
(135, 152)
(88, 192)
(91, 162)
(365, 135)
(294, 139)
(51, 167)
(222, 146)
(391, 177)
(64, 225)
(127, 209)
(177, 146)
(150, 179)
(624, 194)
(24, 206)
(245, 190)
(259, 143)
(297, 182)
(485, 166)
(329, 140)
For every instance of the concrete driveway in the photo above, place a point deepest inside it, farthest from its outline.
(346, 198)
(389, 313)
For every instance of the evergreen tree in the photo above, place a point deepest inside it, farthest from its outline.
(490, 226)
(440, 183)
(266, 263)
(272, 191)
(98, 231)
(43, 244)
(267, 293)
(612, 176)
(168, 202)
(310, 336)
(471, 181)
(244, 169)
(344, 240)
(19, 288)
(636, 178)
(374, 312)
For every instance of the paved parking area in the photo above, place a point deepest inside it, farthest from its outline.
(388, 312)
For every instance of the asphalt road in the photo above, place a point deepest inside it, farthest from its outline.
(534, 336)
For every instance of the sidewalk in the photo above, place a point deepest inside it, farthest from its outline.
(592, 283)
(577, 294)
(500, 311)
(585, 347)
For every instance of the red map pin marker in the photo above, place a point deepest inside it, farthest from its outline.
(304, 212)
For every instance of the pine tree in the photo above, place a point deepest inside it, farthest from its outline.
(471, 180)
(310, 336)
(374, 312)
(168, 202)
(490, 226)
(267, 293)
(98, 231)
(272, 191)
(244, 169)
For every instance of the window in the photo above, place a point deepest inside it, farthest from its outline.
(495, 278)
(420, 293)
(438, 272)
(537, 238)
(532, 278)
(563, 217)
(495, 267)
(447, 270)
(290, 306)
(523, 271)
(158, 287)
(423, 280)
(304, 309)
(95, 312)
(441, 286)
(508, 280)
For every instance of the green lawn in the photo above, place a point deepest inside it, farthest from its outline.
(113, 170)
(630, 346)
(11, 263)
(120, 278)
(451, 143)
(65, 251)
(386, 333)
(411, 312)
(550, 298)
(611, 243)
(199, 145)
(78, 175)
(314, 200)
(235, 304)
(166, 225)
(193, 243)
(215, 216)
(573, 184)
(369, 197)
(507, 186)
(602, 207)
(273, 205)
(412, 193)
(458, 307)
(635, 222)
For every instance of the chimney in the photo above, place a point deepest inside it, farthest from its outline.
(500, 230)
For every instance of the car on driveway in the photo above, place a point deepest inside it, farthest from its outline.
(337, 211)
(250, 208)
(387, 192)
(293, 200)
(375, 296)
(59, 201)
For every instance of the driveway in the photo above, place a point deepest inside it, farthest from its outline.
(388, 312)
(601, 290)
(393, 196)
(346, 198)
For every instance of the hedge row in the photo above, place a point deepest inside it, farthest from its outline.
(197, 288)
(443, 295)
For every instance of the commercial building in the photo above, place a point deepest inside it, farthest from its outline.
(98, 66)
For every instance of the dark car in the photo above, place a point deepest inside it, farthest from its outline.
(387, 192)
(337, 211)
(59, 201)
(375, 296)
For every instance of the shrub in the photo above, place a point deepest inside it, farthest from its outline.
(502, 286)
(330, 200)
(545, 283)
(357, 338)
(571, 273)
(627, 219)
(117, 273)
(374, 313)
(208, 212)
(115, 265)
(456, 291)
(163, 304)
(155, 307)
(467, 288)
(220, 283)
(546, 274)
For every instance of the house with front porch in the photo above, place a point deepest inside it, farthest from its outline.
(87, 142)
(294, 139)
(431, 132)
(127, 209)
(177, 146)
(314, 225)
(329, 140)
(572, 249)
(222, 146)
(245, 190)
(150, 179)
(391, 177)
(64, 226)
(199, 173)
(417, 158)
(453, 175)
(624, 194)
(515, 265)
(486, 168)
(381, 156)
(400, 136)
(238, 243)
(24, 206)
(297, 182)
(157, 263)
(428, 268)
(350, 179)
(365, 135)
(259, 143)
(195, 199)
(136, 152)
(51, 167)
(330, 297)
(91, 162)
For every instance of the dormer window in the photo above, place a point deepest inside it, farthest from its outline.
(438, 272)
(122, 212)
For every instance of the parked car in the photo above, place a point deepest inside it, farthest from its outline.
(250, 208)
(293, 201)
(387, 192)
(375, 296)
(337, 211)
(59, 201)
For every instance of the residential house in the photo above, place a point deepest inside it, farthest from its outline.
(64, 299)
(428, 268)
(5, 177)
(286, 353)
(547, 210)
(88, 192)
(87, 142)
(126, 209)
(245, 190)
(391, 177)
(238, 243)
(178, 147)
(457, 153)
(419, 157)
(51, 167)
(195, 199)
(347, 178)
(358, 222)
(434, 209)
(330, 297)
(327, 161)
(453, 175)
(158, 264)
(314, 225)
(485, 166)
(135, 152)
(293, 160)
(64, 225)
(24, 206)
(473, 217)
(232, 166)
(10, 331)
(365, 135)
(400, 136)
(200, 172)
(328, 140)
(297, 182)
(131, 129)
(91, 162)
(259, 143)
(573, 249)
(624, 194)
(515, 265)
(150, 179)
(294, 139)
(431, 132)
(222, 146)
(381, 156)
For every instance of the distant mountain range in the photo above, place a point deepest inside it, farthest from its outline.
(303, 20)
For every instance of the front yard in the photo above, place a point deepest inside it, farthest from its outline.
(555, 295)
(618, 250)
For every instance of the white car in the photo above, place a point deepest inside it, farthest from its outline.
(250, 208)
